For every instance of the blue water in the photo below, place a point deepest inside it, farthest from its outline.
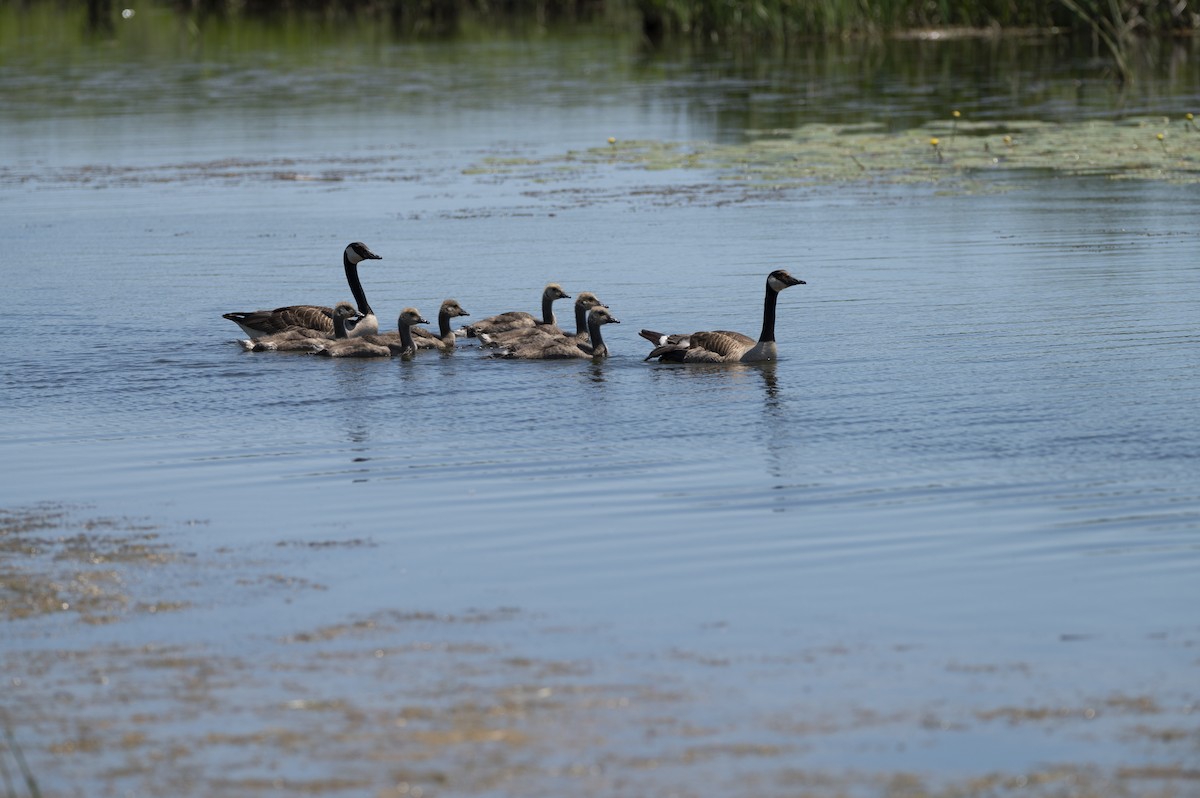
(971, 482)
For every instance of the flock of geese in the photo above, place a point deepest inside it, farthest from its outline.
(352, 330)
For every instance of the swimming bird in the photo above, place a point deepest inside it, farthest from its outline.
(379, 346)
(723, 346)
(315, 317)
(584, 301)
(443, 341)
(302, 339)
(519, 318)
(550, 348)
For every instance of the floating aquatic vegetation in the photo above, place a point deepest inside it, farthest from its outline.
(52, 562)
(955, 155)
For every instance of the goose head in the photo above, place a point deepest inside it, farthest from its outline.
(358, 251)
(587, 300)
(410, 317)
(602, 315)
(450, 308)
(780, 279)
(347, 317)
(554, 291)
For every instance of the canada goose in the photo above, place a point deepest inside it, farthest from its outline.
(301, 339)
(519, 318)
(584, 301)
(549, 348)
(315, 317)
(379, 346)
(723, 346)
(444, 340)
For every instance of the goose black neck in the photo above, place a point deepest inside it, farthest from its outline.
(356, 288)
(581, 321)
(443, 323)
(547, 309)
(594, 334)
(768, 328)
(406, 339)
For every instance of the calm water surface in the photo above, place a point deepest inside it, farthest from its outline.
(952, 532)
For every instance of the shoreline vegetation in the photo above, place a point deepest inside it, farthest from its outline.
(715, 19)
(1117, 29)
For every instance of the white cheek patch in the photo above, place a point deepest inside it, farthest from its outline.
(776, 284)
(352, 255)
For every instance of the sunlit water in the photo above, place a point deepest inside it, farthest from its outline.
(978, 452)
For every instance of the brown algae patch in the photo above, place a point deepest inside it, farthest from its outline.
(51, 563)
(1117, 704)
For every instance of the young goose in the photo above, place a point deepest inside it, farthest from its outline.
(519, 318)
(376, 345)
(723, 346)
(301, 339)
(315, 317)
(444, 340)
(584, 301)
(566, 346)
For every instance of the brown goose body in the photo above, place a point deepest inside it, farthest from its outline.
(257, 323)
(516, 319)
(377, 345)
(565, 347)
(725, 346)
(300, 339)
(584, 301)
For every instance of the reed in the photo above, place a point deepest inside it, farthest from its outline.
(14, 749)
(1120, 24)
(1115, 23)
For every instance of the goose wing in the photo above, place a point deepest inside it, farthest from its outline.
(711, 346)
(282, 341)
(267, 322)
(519, 335)
(501, 322)
(545, 349)
(725, 344)
(363, 346)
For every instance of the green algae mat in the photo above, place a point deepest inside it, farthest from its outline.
(955, 154)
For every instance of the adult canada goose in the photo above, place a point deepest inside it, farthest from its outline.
(302, 339)
(443, 341)
(549, 348)
(519, 318)
(379, 346)
(723, 346)
(584, 301)
(315, 317)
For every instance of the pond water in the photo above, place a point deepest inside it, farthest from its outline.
(948, 541)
